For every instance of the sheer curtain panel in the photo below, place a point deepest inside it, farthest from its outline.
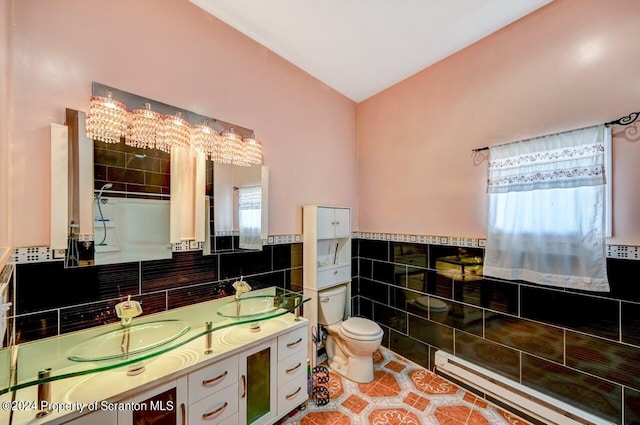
(546, 210)
(249, 216)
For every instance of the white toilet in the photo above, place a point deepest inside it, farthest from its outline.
(350, 343)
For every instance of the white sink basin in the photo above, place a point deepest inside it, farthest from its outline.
(127, 341)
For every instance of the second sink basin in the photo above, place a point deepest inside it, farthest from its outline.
(249, 307)
(127, 341)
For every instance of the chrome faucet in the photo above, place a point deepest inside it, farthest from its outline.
(127, 310)
(241, 287)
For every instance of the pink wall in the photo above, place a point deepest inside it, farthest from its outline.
(5, 107)
(571, 64)
(173, 52)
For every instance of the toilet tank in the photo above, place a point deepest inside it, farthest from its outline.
(331, 305)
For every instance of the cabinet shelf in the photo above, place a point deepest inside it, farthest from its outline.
(322, 267)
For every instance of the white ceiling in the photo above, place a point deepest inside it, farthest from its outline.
(361, 47)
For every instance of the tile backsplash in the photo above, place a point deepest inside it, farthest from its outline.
(51, 299)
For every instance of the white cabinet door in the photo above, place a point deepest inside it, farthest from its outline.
(342, 223)
(333, 223)
(325, 223)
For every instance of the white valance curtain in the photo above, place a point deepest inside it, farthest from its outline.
(546, 210)
(249, 216)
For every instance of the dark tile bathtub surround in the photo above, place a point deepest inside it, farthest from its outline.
(51, 300)
(581, 347)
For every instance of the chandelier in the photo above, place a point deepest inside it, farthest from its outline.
(106, 119)
(145, 130)
(109, 121)
(204, 139)
(253, 150)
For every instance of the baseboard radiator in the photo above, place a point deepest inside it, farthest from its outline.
(524, 399)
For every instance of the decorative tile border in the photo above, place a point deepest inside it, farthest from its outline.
(626, 252)
(34, 255)
(226, 233)
(421, 239)
(42, 254)
(282, 239)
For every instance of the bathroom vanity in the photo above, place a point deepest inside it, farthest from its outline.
(249, 369)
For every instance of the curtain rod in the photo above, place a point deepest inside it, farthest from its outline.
(626, 120)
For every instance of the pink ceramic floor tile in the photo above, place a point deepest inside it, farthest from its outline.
(401, 393)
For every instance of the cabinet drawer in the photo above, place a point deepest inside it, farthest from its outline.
(334, 276)
(292, 342)
(292, 366)
(292, 394)
(216, 408)
(212, 378)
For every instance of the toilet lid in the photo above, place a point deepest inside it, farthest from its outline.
(432, 304)
(360, 326)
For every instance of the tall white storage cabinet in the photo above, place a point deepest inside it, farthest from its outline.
(326, 259)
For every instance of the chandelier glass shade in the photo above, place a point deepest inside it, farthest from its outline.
(204, 139)
(230, 148)
(176, 131)
(253, 150)
(145, 131)
(106, 119)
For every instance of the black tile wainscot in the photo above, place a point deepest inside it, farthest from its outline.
(577, 346)
(52, 300)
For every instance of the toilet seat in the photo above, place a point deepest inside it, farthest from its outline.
(361, 329)
(432, 304)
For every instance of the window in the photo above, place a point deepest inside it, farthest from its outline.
(547, 214)
(250, 216)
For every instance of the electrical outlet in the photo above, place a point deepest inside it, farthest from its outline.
(193, 245)
(58, 253)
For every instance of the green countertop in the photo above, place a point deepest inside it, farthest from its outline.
(54, 353)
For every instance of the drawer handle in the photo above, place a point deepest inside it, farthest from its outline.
(335, 272)
(244, 386)
(293, 344)
(183, 413)
(212, 380)
(293, 368)
(293, 394)
(214, 412)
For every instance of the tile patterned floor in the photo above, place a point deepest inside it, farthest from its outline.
(401, 393)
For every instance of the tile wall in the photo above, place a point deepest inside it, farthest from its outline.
(132, 171)
(580, 347)
(52, 300)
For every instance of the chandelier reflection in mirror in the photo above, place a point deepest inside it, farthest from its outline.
(109, 120)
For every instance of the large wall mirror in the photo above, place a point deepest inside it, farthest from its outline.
(121, 205)
(239, 207)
